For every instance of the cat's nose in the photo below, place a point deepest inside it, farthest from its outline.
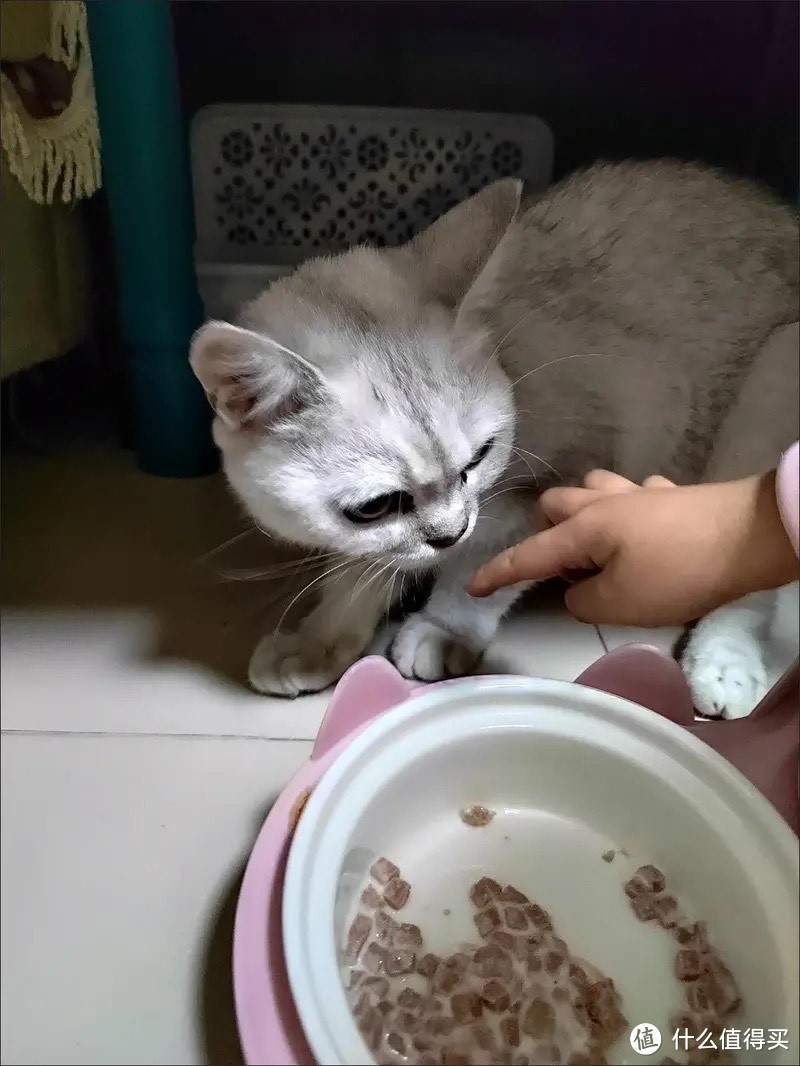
(447, 541)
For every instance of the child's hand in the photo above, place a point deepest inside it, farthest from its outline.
(655, 554)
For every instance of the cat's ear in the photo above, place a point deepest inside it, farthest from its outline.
(450, 254)
(250, 380)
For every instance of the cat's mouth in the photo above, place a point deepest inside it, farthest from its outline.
(428, 555)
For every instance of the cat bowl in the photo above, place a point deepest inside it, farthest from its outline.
(574, 774)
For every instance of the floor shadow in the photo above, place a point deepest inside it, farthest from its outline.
(88, 533)
(217, 1014)
(215, 999)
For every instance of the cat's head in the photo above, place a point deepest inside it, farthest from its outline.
(357, 406)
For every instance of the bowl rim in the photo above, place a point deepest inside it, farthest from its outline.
(316, 851)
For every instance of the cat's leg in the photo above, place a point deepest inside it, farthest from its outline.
(329, 639)
(724, 657)
(449, 636)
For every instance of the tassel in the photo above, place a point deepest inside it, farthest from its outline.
(62, 151)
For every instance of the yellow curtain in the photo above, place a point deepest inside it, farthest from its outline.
(50, 161)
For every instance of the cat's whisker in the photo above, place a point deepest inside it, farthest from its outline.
(261, 529)
(271, 573)
(539, 459)
(246, 618)
(515, 327)
(520, 481)
(305, 589)
(290, 564)
(514, 477)
(502, 492)
(564, 359)
(373, 578)
(344, 573)
(388, 588)
(371, 566)
(520, 455)
(227, 543)
(544, 417)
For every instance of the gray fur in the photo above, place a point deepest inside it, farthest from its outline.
(637, 316)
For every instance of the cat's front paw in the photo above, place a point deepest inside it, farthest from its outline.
(295, 664)
(424, 651)
(726, 677)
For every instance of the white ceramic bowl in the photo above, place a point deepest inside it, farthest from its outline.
(572, 773)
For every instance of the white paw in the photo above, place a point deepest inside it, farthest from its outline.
(726, 677)
(292, 664)
(425, 651)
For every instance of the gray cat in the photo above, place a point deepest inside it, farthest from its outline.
(395, 409)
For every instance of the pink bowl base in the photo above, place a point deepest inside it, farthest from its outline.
(764, 747)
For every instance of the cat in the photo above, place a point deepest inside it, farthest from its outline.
(397, 410)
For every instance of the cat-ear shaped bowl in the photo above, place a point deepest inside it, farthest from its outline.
(612, 762)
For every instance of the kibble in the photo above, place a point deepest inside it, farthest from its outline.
(484, 891)
(399, 962)
(384, 871)
(496, 997)
(466, 1006)
(515, 918)
(396, 893)
(688, 965)
(509, 1030)
(539, 1019)
(300, 806)
(517, 997)
(710, 989)
(356, 938)
(371, 897)
(666, 908)
(428, 965)
(537, 916)
(476, 816)
(373, 959)
(653, 878)
(408, 936)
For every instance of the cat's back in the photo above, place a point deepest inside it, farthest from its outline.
(636, 304)
(661, 238)
(667, 207)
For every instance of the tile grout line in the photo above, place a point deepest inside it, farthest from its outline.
(129, 735)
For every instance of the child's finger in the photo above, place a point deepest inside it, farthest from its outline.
(562, 503)
(607, 481)
(535, 559)
(656, 481)
(595, 600)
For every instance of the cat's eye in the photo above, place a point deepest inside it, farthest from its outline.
(478, 457)
(390, 503)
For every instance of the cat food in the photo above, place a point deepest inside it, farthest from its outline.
(516, 997)
(476, 816)
(396, 893)
(384, 871)
(710, 989)
(300, 806)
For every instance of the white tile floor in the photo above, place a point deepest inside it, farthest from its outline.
(136, 767)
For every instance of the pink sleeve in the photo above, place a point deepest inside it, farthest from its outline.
(787, 489)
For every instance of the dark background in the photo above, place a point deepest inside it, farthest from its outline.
(715, 80)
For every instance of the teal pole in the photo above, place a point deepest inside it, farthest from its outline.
(147, 184)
